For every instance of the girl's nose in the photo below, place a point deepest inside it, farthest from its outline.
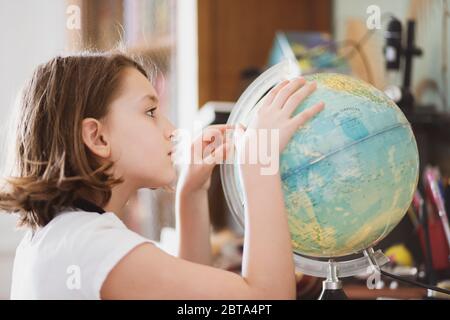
(170, 129)
(172, 136)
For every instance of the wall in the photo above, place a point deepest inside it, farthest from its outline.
(31, 32)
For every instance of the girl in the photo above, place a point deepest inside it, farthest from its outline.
(90, 134)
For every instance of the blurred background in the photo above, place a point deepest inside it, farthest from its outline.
(206, 52)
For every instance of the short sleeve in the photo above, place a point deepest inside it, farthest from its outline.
(98, 247)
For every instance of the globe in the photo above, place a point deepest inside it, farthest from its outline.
(348, 175)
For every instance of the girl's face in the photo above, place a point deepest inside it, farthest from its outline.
(139, 134)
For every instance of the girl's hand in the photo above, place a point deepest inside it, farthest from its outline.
(209, 149)
(276, 111)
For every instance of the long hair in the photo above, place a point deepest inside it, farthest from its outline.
(52, 165)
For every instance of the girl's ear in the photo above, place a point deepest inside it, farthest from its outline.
(94, 137)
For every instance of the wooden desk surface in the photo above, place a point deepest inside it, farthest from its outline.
(355, 291)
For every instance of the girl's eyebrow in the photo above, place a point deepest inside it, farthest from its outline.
(151, 97)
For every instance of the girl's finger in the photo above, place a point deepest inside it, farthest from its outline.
(242, 127)
(212, 137)
(209, 135)
(220, 127)
(300, 95)
(216, 130)
(268, 99)
(304, 116)
(287, 91)
(217, 156)
(219, 133)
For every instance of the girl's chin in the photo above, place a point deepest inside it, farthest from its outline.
(167, 182)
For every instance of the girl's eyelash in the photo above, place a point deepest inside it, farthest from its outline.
(152, 111)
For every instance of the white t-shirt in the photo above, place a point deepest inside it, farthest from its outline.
(71, 256)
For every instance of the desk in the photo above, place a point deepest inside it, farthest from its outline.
(361, 292)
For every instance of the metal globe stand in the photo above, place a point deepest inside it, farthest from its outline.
(333, 270)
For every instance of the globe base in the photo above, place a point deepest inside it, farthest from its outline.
(332, 286)
(333, 294)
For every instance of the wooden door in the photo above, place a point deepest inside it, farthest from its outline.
(235, 35)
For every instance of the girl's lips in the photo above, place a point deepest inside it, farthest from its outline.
(171, 151)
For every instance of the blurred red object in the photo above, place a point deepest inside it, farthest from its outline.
(438, 227)
(438, 241)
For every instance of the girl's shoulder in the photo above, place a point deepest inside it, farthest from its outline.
(89, 242)
(75, 223)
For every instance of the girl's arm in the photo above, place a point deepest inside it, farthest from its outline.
(268, 269)
(193, 226)
(192, 208)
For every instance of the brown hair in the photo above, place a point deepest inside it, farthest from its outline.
(53, 167)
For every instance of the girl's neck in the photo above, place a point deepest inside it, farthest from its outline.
(119, 198)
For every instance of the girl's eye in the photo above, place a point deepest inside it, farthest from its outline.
(151, 112)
